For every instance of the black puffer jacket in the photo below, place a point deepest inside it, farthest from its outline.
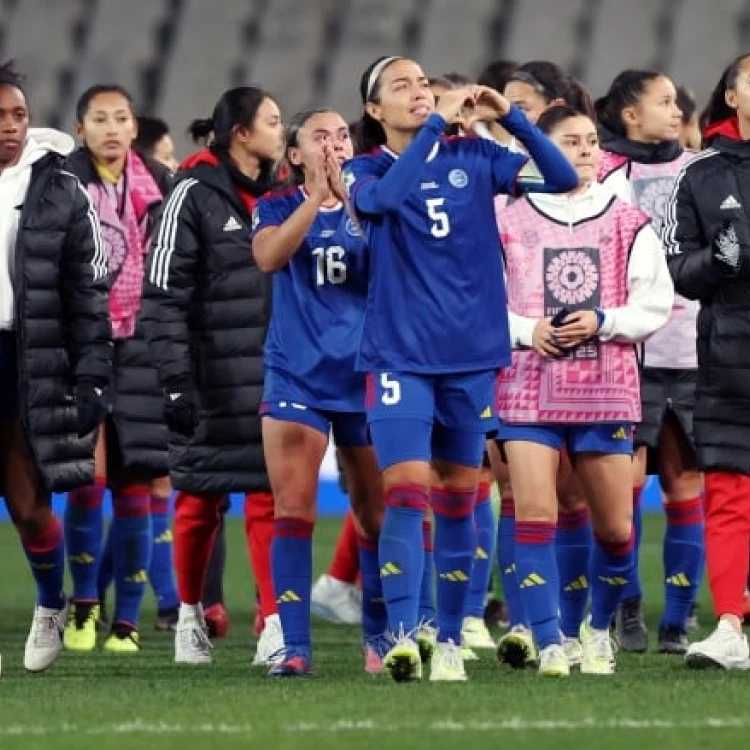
(136, 393)
(205, 312)
(711, 189)
(62, 321)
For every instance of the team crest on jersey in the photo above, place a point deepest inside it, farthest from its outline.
(352, 229)
(458, 178)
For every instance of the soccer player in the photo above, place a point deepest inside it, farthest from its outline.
(586, 278)
(707, 237)
(318, 259)
(640, 123)
(54, 334)
(155, 142)
(426, 207)
(205, 312)
(131, 453)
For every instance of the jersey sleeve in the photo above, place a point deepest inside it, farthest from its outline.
(268, 212)
(505, 165)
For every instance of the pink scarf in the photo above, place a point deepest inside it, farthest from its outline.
(123, 215)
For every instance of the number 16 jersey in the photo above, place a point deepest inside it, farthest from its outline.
(318, 305)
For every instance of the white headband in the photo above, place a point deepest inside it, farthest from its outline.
(375, 74)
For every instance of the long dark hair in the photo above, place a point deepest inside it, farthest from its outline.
(368, 132)
(552, 82)
(292, 140)
(237, 107)
(717, 108)
(626, 91)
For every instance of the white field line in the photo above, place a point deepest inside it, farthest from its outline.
(514, 724)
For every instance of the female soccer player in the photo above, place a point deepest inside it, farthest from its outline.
(586, 278)
(318, 259)
(707, 237)
(205, 313)
(640, 125)
(131, 449)
(54, 334)
(426, 208)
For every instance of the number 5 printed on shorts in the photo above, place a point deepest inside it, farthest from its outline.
(391, 390)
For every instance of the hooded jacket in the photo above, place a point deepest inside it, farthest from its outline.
(206, 307)
(60, 316)
(712, 189)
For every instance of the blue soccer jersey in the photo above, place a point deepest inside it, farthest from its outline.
(318, 304)
(436, 299)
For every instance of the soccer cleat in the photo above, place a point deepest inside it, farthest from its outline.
(553, 662)
(474, 634)
(166, 619)
(426, 640)
(45, 640)
(672, 640)
(447, 664)
(468, 654)
(191, 642)
(270, 650)
(403, 662)
(598, 653)
(630, 626)
(516, 648)
(336, 601)
(124, 639)
(217, 621)
(724, 648)
(80, 632)
(573, 651)
(297, 665)
(375, 650)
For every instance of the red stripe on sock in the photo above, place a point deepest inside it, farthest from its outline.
(100, 481)
(453, 503)
(637, 496)
(483, 493)
(407, 496)
(46, 541)
(371, 545)
(132, 502)
(533, 532)
(159, 504)
(345, 562)
(293, 527)
(684, 513)
(508, 507)
(427, 542)
(617, 549)
(89, 497)
(570, 521)
(259, 509)
(134, 490)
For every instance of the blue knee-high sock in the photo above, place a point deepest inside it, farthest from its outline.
(683, 560)
(484, 552)
(427, 587)
(573, 549)
(455, 541)
(83, 537)
(45, 552)
(161, 571)
(131, 551)
(612, 567)
(291, 564)
(539, 582)
(401, 555)
(506, 560)
(106, 566)
(633, 588)
(374, 616)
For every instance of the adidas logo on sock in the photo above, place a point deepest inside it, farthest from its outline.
(232, 225)
(531, 580)
(139, 576)
(680, 580)
(481, 554)
(455, 576)
(390, 569)
(580, 584)
(289, 597)
(614, 581)
(82, 559)
(730, 203)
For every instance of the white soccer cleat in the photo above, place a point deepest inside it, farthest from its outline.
(573, 651)
(45, 640)
(475, 635)
(598, 653)
(191, 642)
(270, 651)
(553, 662)
(336, 601)
(724, 648)
(447, 664)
